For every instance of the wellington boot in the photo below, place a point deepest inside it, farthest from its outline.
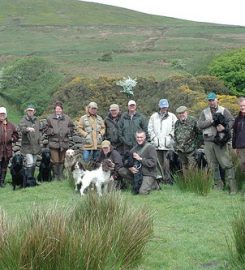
(218, 185)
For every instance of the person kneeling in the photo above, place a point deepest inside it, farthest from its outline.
(141, 169)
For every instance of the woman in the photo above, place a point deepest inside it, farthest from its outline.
(59, 128)
(8, 135)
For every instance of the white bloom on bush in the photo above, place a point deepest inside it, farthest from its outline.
(127, 84)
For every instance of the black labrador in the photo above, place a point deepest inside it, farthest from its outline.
(45, 168)
(17, 171)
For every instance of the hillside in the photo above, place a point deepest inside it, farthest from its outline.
(76, 36)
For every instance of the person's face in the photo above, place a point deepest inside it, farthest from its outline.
(182, 116)
(114, 113)
(106, 150)
(213, 103)
(242, 106)
(140, 138)
(58, 110)
(132, 108)
(163, 110)
(30, 113)
(2, 116)
(92, 110)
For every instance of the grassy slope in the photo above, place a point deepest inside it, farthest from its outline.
(190, 231)
(74, 34)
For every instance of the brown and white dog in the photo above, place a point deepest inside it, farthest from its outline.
(100, 177)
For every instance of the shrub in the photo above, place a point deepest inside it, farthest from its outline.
(195, 180)
(98, 233)
(30, 80)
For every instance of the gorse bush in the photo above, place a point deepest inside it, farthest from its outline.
(195, 180)
(98, 233)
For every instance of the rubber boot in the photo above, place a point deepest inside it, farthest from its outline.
(218, 185)
(1, 179)
(30, 181)
(60, 173)
(230, 180)
(56, 171)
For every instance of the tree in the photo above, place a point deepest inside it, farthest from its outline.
(230, 68)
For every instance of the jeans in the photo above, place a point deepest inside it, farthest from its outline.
(90, 155)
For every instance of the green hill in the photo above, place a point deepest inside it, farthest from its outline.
(89, 40)
(76, 36)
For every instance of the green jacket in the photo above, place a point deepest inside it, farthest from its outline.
(128, 127)
(186, 135)
(30, 142)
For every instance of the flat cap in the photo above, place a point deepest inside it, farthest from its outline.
(181, 109)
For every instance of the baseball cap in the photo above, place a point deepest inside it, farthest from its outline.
(131, 102)
(93, 105)
(105, 143)
(163, 103)
(30, 107)
(114, 107)
(211, 95)
(3, 110)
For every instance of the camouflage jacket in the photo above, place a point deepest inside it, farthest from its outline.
(186, 135)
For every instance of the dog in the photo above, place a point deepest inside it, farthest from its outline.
(221, 138)
(70, 160)
(17, 171)
(78, 172)
(100, 177)
(45, 168)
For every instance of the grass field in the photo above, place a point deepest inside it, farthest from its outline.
(190, 231)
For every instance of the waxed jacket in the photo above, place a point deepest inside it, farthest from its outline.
(30, 141)
(238, 138)
(112, 130)
(128, 127)
(8, 135)
(149, 158)
(92, 129)
(58, 130)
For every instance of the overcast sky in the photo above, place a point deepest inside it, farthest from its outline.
(216, 11)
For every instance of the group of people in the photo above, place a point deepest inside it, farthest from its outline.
(130, 135)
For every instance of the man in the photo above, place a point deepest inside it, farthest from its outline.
(92, 128)
(111, 127)
(107, 151)
(30, 142)
(59, 128)
(161, 132)
(186, 137)
(8, 135)
(238, 138)
(217, 154)
(146, 156)
(129, 123)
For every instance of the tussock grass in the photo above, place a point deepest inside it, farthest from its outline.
(236, 245)
(98, 233)
(196, 180)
